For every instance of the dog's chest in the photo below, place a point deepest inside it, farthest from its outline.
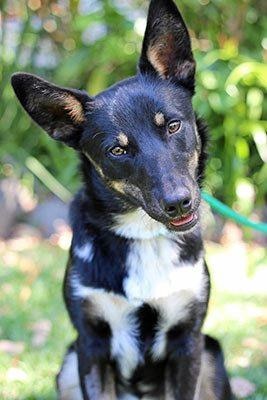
(155, 271)
(159, 291)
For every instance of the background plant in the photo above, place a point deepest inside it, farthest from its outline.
(92, 43)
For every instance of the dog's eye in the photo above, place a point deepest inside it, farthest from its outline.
(118, 151)
(174, 127)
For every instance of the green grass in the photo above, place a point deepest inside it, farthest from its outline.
(31, 283)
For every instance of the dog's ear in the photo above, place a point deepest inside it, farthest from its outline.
(167, 47)
(59, 111)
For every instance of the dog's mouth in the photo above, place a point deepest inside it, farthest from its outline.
(184, 223)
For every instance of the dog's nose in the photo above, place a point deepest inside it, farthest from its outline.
(178, 206)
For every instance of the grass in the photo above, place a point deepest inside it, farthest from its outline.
(31, 277)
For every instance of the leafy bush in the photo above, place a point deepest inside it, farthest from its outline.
(92, 43)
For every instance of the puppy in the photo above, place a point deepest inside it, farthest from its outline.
(137, 286)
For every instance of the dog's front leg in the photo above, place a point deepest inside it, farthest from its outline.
(181, 375)
(93, 388)
(181, 380)
(96, 379)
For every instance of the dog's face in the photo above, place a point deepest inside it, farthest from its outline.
(143, 140)
(141, 135)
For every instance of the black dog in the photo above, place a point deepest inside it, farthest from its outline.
(136, 286)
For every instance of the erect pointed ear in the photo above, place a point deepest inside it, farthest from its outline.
(59, 111)
(167, 47)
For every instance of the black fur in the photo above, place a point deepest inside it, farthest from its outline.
(157, 171)
(166, 29)
(220, 383)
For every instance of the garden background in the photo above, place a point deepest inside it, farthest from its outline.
(91, 44)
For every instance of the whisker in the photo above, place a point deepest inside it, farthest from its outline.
(96, 134)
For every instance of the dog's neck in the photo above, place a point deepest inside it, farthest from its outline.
(137, 224)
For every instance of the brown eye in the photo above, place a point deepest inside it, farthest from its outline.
(174, 127)
(118, 151)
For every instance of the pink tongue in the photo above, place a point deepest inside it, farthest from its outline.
(182, 221)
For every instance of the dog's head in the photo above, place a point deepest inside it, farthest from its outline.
(141, 135)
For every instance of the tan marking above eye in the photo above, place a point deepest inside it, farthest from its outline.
(123, 139)
(159, 119)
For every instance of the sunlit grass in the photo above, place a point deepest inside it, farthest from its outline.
(31, 283)
(238, 310)
(20, 308)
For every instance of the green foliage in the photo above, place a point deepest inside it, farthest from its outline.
(92, 44)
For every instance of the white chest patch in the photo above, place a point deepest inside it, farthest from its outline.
(155, 271)
(157, 277)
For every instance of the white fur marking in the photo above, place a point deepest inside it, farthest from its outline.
(68, 381)
(138, 225)
(156, 276)
(118, 312)
(173, 310)
(85, 253)
(155, 271)
(93, 384)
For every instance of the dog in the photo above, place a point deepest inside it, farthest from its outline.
(137, 285)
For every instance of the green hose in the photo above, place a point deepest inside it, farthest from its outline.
(229, 213)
